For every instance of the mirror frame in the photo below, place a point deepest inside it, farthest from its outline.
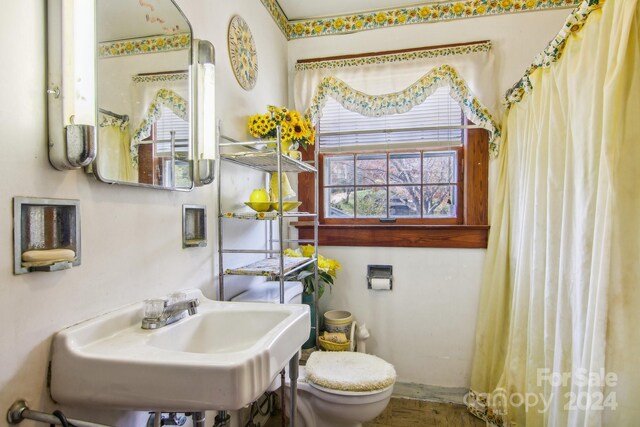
(72, 95)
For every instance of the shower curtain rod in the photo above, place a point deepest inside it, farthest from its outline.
(122, 117)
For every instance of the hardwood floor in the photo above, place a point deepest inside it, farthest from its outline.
(416, 413)
(413, 413)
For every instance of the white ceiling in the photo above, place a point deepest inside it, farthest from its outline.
(125, 19)
(303, 9)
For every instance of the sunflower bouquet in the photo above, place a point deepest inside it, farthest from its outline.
(327, 269)
(295, 130)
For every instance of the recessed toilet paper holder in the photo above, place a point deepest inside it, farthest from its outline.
(384, 272)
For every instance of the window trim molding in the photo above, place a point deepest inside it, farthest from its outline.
(408, 236)
(473, 233)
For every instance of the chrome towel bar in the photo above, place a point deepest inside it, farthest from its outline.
(19, 411)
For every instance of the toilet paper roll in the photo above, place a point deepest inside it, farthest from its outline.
(380, 284)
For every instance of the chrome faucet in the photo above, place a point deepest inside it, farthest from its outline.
(171, 313)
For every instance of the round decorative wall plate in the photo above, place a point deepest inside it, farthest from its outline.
(242, 53)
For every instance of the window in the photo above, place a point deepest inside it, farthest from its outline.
(417, 178)
(413, 185)
(155, 164)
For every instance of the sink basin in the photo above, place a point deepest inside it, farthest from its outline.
(223, 358)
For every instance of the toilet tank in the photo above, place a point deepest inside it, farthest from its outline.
(270, 292)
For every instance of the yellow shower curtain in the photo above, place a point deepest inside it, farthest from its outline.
(557, 342)
(114, 155)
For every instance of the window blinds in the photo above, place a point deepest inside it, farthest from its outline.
(168, 122)
(439, 119)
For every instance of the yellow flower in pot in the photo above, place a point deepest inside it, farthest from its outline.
(327, 270)
(295, 130)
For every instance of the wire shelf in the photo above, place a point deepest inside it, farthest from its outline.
(267, 161)
(266, 216)
(269, 267)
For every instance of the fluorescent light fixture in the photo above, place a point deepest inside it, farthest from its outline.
(71, 86)
(205, 112)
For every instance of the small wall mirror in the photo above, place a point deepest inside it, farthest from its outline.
(144, 94)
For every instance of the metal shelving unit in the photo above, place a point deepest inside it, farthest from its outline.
(275, 265)
(268, 161)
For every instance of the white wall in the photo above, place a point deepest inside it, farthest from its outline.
(426, 325)
(131, 237)
(116, 72)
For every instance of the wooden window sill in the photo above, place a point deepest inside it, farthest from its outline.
(410, 236)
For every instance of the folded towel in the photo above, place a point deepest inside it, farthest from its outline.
(336, 337)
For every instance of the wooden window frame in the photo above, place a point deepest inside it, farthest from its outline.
(471, 232)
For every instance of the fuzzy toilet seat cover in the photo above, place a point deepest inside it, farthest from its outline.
(349, 371)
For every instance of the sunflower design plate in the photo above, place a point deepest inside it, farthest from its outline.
(242, 53)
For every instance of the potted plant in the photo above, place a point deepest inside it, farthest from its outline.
(327, 272)
(295, 130)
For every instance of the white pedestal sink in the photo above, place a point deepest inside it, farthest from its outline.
(223, 358)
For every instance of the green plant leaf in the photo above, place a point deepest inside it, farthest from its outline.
(304, 274)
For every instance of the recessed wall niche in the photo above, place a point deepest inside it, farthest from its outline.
(46, 234)
(194, 226)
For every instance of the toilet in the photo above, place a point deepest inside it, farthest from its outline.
(335, 389)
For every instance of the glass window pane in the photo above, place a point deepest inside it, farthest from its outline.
(371, 169)
(371, 202)
(404, 168)
(404, 201)
(339, 202)
(183, 174)
(338, 170)
(439, 201)
(439, 167)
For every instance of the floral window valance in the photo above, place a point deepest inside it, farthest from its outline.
(404, 100)
(169, 99)
(394, 82)
(554, 49)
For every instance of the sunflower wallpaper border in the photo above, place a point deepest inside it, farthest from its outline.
(420, 14)
(164, 77)
(144, 45)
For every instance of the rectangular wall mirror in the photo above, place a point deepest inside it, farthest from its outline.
(144, 94)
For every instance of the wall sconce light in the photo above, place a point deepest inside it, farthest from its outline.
(205, 96)
(71, 86)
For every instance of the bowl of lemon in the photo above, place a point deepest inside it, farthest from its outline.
(259, 200)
